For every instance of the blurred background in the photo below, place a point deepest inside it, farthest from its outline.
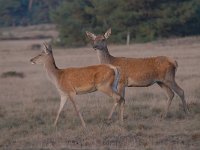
(139, 20)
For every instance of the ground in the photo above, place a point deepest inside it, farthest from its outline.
(29, 102)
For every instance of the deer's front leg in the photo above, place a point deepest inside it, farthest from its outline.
(63, 100)
(77, 110)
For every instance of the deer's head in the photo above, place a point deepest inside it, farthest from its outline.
(99, 41)
(44, 56)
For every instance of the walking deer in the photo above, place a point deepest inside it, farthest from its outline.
(140, 72)
(74, 81)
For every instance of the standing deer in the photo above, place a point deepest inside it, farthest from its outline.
(74, 81)
(140, 72)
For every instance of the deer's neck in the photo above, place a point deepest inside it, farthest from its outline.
(52, 70)
(104, 56)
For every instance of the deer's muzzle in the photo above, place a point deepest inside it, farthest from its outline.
(32, 61)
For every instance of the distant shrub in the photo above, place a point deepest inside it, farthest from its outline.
(12, 74)
(35, 47)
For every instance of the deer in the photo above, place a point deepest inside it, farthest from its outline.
(75, 81)
(141, 72)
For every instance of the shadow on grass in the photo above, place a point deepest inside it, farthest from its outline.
(194, 108)
(141, 111)
(179, 114)
(49, 99)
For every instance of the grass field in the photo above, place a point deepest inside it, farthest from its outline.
(29, 102)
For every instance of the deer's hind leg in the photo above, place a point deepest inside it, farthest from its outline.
(173, 85)
(107, 89)
(170, 95)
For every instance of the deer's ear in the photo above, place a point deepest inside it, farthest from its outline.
(108, 33)
(90, 35)
(48, 48)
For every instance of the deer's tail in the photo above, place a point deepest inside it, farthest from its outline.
(174, 63)
(117, 77)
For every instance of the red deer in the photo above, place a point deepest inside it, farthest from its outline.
(140, 72)
(74, 81)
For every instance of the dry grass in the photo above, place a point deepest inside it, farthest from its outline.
(29, 105)
(30, 32)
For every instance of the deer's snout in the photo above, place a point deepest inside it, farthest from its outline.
(32, 61)
(95, 46)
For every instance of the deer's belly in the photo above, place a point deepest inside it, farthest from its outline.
(85, 89)
(140, 82)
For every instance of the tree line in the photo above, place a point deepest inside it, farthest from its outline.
(141, 20)
(26, 12)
